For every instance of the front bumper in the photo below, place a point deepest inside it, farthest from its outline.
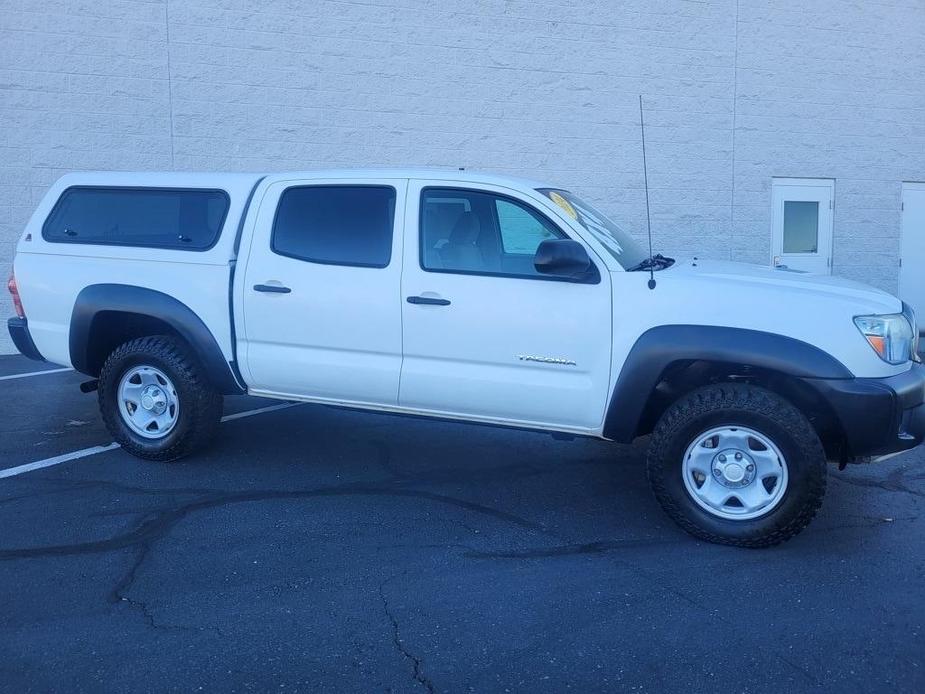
(878, 416)
(19, 331)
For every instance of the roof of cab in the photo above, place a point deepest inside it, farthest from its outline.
(431, 174)
(186, 179)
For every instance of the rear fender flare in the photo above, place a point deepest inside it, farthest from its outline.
(98, 298)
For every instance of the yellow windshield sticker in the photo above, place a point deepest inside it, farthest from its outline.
(563, 203)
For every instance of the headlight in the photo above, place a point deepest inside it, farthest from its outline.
(891, 336)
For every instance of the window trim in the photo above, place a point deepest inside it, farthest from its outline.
(375, 266)
(593, 276)
(168, 189)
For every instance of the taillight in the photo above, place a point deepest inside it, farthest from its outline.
(17, 302)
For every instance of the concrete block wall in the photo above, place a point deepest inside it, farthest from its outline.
(831, 90)
(735, 93)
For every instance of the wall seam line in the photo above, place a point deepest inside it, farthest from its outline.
(735, 106)
(169, 81)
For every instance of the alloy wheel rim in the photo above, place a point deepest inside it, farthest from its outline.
(735, 473)
(148, 402)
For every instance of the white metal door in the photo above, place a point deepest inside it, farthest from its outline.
(912, 258)
(489, 344)
(326, 328)
(801, 224)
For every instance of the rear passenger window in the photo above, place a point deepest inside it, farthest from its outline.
(152, 217)
(336, 225)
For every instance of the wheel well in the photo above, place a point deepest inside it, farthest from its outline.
(681, 377)
(109, 329)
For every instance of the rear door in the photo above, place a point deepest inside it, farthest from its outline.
(321, 304)
(485, 335)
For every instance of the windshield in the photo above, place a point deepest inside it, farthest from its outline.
(628, 252)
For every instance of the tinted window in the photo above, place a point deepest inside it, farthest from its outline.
(156, 217)
(477, 232)
(336, 225)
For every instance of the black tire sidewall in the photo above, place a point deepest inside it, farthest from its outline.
(805, 465)
(187, 395)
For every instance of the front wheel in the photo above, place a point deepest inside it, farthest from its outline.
(155, 399)
(736, 464)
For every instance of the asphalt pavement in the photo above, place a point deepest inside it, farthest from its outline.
(314, 549)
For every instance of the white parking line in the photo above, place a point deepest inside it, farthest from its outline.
(57, 460)
(93, 450)
(33, 373)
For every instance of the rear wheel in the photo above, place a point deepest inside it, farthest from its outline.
(737, 464)
(156, 401)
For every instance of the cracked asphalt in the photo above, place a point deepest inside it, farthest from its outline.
(311, 549)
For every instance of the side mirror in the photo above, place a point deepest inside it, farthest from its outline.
(563, 258)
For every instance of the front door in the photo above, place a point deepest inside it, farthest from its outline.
(912, 258)
(322, 312)
(485, 335)
(801, 224)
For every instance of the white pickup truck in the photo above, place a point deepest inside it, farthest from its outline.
(469, 297)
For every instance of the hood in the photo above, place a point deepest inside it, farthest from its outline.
(865, 298)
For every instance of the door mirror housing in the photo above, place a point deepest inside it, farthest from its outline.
(564, 258)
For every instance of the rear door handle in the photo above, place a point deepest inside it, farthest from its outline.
(429, 300)
(272, 288)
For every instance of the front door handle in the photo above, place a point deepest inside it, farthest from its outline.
(272, 288)
(429, 300)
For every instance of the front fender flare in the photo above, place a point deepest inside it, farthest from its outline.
(660, 347)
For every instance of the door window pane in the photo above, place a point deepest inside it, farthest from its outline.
(185, 219)
(801, 226)
(477, 232)
(336, 225)
(521, 232)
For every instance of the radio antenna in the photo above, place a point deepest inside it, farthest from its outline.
(645, 174)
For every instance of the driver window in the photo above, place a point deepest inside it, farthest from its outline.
(521, 231)
(475, 232)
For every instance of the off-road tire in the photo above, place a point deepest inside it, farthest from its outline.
(200, 408)
(747, 406)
